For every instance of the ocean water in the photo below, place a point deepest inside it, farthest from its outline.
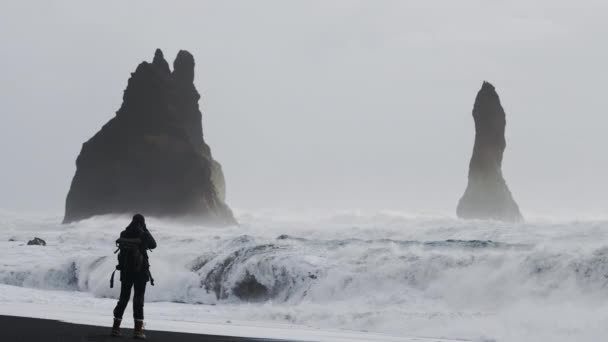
(387, 272)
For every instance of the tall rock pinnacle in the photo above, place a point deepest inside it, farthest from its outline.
(151, 157)
(487, 195)
(160, 62)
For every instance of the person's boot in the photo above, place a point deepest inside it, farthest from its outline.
(116, 327)
(138, 332)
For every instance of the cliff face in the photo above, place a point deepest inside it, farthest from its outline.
(487, 195)
(151, 157)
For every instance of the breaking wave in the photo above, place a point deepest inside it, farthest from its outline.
(384, 265)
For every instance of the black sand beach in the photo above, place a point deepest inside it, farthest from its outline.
(20, 329)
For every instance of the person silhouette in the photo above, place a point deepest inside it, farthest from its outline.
(134, 267)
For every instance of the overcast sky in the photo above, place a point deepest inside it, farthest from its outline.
(321, 104)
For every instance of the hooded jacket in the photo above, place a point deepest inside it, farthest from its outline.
(137, 229)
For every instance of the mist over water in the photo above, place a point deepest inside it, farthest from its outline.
(385, 272)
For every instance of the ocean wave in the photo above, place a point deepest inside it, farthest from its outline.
(292, 269)
(373, 274)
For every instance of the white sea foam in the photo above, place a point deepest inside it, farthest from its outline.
(384, 272)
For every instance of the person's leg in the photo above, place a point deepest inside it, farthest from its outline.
(119, 310)
(125, 294)
(138, 298)
(138, 307)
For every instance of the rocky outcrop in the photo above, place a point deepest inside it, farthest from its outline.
(36, 242)
(487, 195)
(151, 157)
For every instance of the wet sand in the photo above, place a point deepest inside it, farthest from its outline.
(21, 329)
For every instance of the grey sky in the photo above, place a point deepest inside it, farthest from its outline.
(321, 104)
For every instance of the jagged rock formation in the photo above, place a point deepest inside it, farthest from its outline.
(487, 195)
(151, 158)
(36, 242)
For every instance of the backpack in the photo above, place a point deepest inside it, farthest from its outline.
(130, 258)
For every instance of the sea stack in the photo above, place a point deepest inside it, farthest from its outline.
(151, 157)
(487, 195)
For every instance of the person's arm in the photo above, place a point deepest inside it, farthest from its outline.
(149, 240)
(122, 235)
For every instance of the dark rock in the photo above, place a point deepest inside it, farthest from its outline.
(183, 67)
(216, 279)
(250, 289)
(36, 242)
(151, 157)
(160, 62)
(487, 195)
